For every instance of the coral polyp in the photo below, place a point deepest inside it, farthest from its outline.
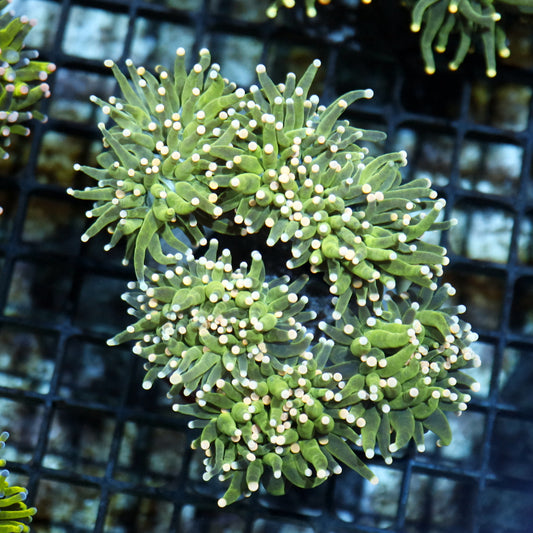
(276, 428)
(441, 21)
(23, 79)
(15, 515)
(160, 143)
(201, 320)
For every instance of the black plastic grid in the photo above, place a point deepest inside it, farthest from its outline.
(96, 452)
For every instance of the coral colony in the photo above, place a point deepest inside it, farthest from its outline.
(15, 515)
(275, 400)
(22, 78)
(471, 20)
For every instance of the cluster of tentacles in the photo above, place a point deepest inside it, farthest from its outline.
(277, 399)
(472, 21)
(469, 22)
(23, 79)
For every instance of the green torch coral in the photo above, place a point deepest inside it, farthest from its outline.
(202, 320)
(22, 78)
(271, 158)
(472, 20)
(268, 430)
(15, 515)
(468, 18)
(190, 152)
(394, 383)
(438, 20)
(409, 367)
(296, 169)
(158, 148)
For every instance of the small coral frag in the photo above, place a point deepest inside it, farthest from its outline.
(15, 515)
(22, 78)
(274, 403)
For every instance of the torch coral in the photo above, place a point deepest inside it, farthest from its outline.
(471, 20)
(272, 157)
(275, 402)
(466, 17)
(300, 172)
(15, 515)
(286, 426)
(22, 78)
(159, 145)
(201, 321)
(409, 365)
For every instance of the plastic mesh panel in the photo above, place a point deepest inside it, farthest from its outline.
(99, 454)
